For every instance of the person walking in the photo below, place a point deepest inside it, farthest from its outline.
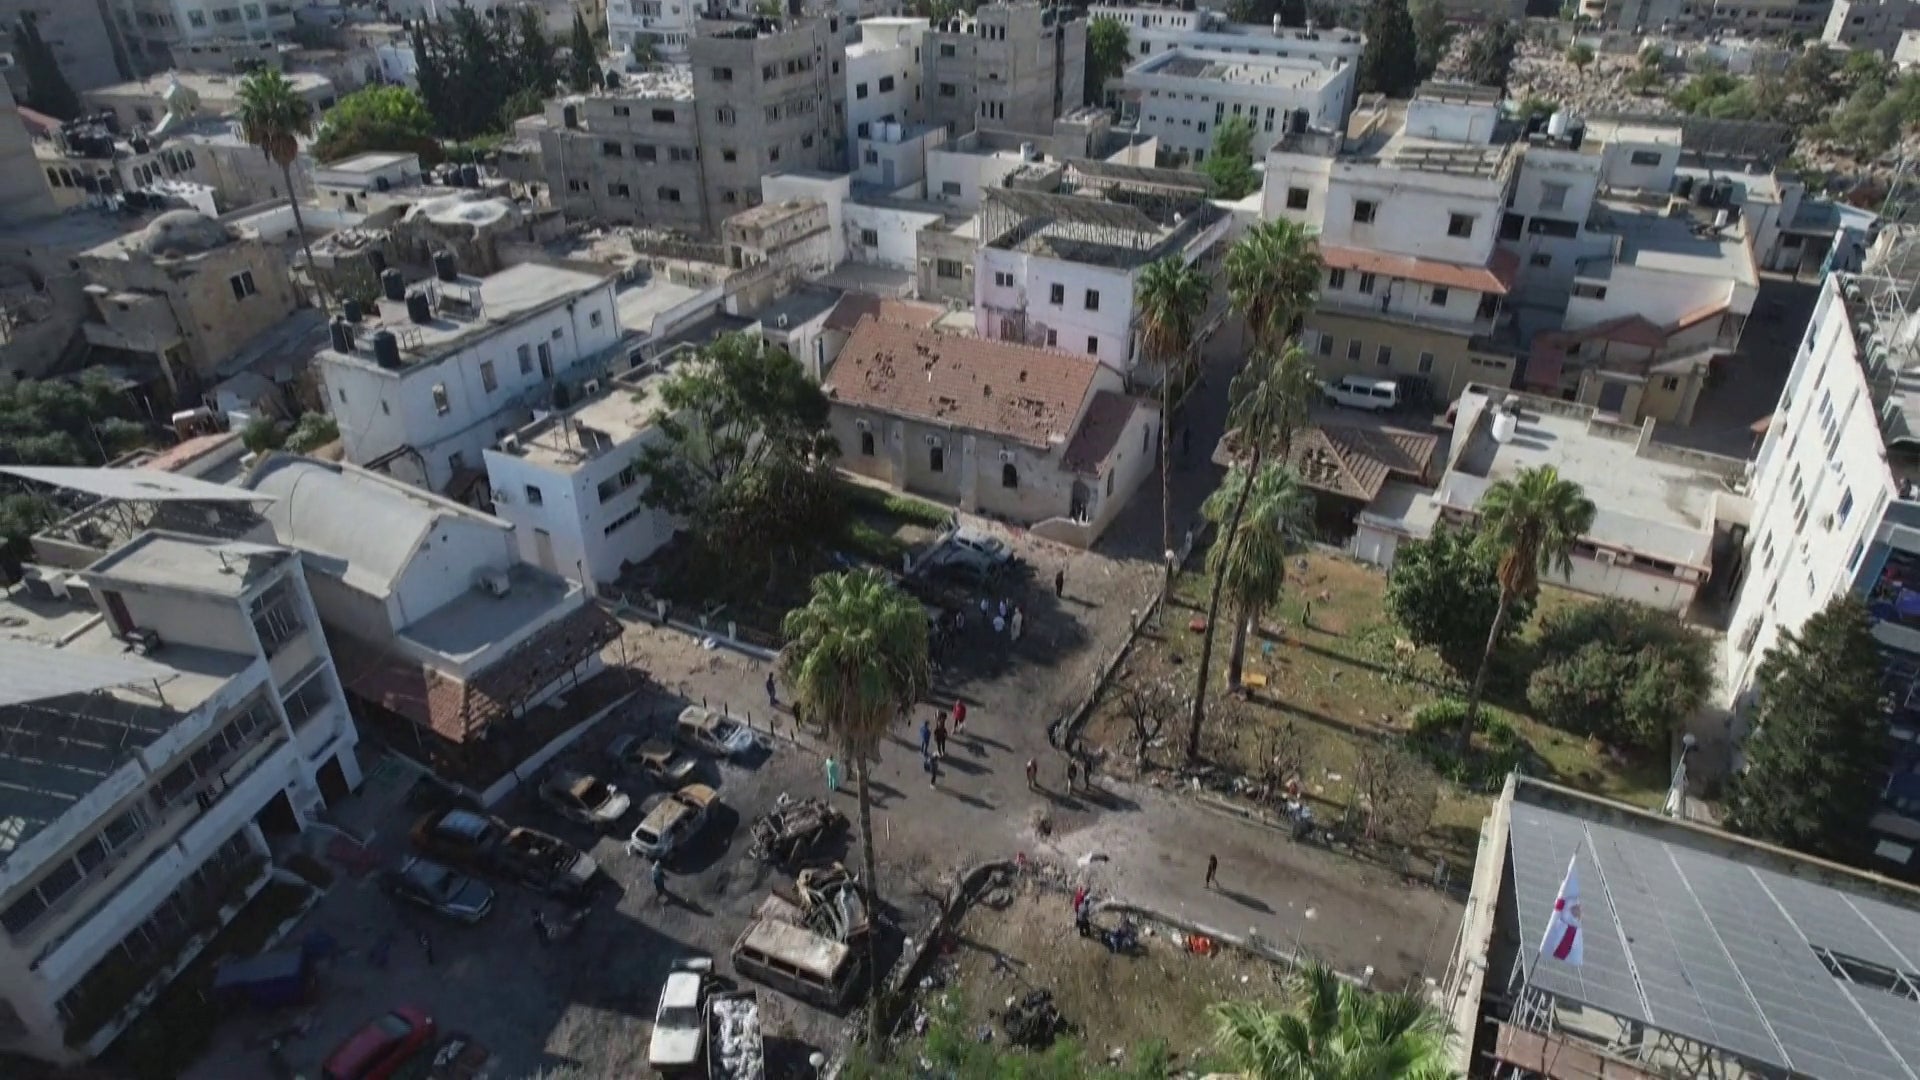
(1059, 584)
(1018, 622)
(1033, 774)
(773, 697)
(1213, 869)
(659, 876)
(926, 738)
(833, 776)
(1073, 774)
(541, 931)
(959, 715)
(1306, 613)
(426, 944)
(933, 772)
(940, 735)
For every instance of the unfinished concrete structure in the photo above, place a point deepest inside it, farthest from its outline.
(1009, 66)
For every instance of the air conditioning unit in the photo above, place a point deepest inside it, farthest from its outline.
(492, 582)
(863, 425)
(1006, 456)
(1606, 557)
(510, 443)
(1827, 523)
(935, 440)
(591, 386)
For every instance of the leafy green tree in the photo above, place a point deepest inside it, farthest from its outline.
(262, 434)
(1390, 63)
(314, 431)
(1273, 278)
(390, 118)
(1490, 54)
(745, 458)
(583, 69)
(1335, 1031)
(47, 86)
(1621, 672)
(1172, 298)
(536, 61)
(1229, 165)
(855, 660)
(1444, 591)
(79, 421)
(1580, 55)
(1875, 117)
(525, 102)
(1432, 34)
(1108, 51)
(274, 117)
(1817, 758)
(1530, 522)
(21, 515)
(1277, 522)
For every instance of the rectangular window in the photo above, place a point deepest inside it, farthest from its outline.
(1553, 196)
(1296, 198)
(947, 89)
(1093, 299)
(1670, 382)
(1354, 348)
(1336, 279)
(487, 381)
(1460, 225)
(1644, 158)
(937, 458)
(242, 285)
(663, 116)
(1384, 356)
(723, 74)
(668, 194)
(1093, 345)
(1325, 344)
(535, 497)
(1426, 363)
(441, 405)
(946, 268)
(1438, 297)
(1846, 507)
(950, 188)
(946, 51)
(1002, 279)
(886, 84)
(869, 238)
(1053, 338)
(525, 355)
(1540, 258)
(1590, 292)
(276, 617)
(860, 91)
(612, 150)
(1367, 282)
(1364, 211)
(1057, 294)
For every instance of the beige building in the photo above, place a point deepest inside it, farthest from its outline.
(184, 293)
(1038, 437)
(143, 102)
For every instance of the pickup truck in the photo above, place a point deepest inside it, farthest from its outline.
(735, 1048)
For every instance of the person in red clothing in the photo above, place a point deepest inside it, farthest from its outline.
(959, 715)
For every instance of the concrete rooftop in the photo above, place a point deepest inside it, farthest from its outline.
(1651, 240)
(622, 412)
(1286, 72)
(505, 297)
(475, 621)
(169, 561)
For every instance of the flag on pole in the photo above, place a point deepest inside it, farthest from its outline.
(1562, 940)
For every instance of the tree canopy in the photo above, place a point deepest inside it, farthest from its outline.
(1390, 63)
(470, 68)
(57, 422)
(1817, 757)
(1229, 165)
(1335, 1030)
(1432, 33)
(582, 69)
(1443, 592)
(391, 118)
(1108, 50)
(1490, 54)
(1620, 672)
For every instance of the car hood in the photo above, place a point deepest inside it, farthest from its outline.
(471, 899)
(682, 768)
(673, 1047)
(613, 809)
(739, 741)
(582, 869)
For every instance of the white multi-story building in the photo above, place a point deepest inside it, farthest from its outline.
(1836, 509)
(1154, 29)
(883, 76)
(170, 709)
(1871, 25)
(1060, 271)
(436, 373)
(665, 26)
(152, 28)
(571, 484)
(1183, 95)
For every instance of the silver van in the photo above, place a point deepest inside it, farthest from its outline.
(1361, 392)
(797, 961)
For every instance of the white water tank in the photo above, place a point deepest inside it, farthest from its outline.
(1557, 124)
(1505, 424)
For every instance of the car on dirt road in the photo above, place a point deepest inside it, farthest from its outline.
(440, 889)
(670, 821)
(580, 797)
(655, 759)
(712, 732)
(379, 1050)
(678, 1028)
(480, 843)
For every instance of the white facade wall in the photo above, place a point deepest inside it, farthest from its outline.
(381, 410)
(666, 24)
(895, 159)
(1630, 165)
(1412, 212)
(959, 177)
(1873, 25)
(1906, 52)
(833, 191)
(1154, 30)
(1014, 280)
(1660, 297)
(1183, 111)
(1453, 307)
(885, 235)
(883, 76)
(1559, 186)
(589, 539)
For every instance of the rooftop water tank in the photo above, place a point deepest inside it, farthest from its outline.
(444, 267)
(392, 285)
(342, 335)
(351, 309)
(418, 309)
(1557, 124)
(386, 349)
(1505, 424)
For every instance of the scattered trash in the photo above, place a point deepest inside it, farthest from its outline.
(1033, 1021)
(1313, 913)
(1092, 857)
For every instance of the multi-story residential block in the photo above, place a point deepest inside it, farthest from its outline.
(1008, 66)
(1155, 28)
(80, 36)
(25, 194)
(684, 149)
(883, 77)
(1181, 96)
(571, 486)
(433, 374)
(1871, 25)
(1836, 509)
(1036, 436)
(1060, 270)
(1758, 17)
(1407, 207)
(172, 707)
(661, 26)
(153, 29)
(144, 102)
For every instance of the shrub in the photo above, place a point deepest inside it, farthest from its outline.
(261, 435)
(1498, 749)
(904, 507)
(1619, 672)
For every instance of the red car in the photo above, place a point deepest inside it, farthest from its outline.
(377, 1051)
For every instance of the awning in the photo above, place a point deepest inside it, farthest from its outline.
(1496, 277)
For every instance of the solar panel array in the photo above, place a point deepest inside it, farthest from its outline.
(1718, 950)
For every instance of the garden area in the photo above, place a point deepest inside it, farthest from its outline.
(1364, 712)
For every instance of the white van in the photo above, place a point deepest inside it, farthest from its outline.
(1360, 392)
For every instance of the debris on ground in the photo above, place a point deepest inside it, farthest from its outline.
(1033, 1021)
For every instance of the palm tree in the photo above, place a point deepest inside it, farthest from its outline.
(274, 117)
(1254, 565)
(1273, 275)
(1269, 404)
(1335, 1031)
(1172, 298)
(1530, 522)
(855, 659)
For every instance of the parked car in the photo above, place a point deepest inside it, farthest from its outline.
(678, 1029)
(670, 821)
(704, 729)
(458, 1057)
(545, 863)
(377, 1051)
(974, 548)
(1363, 393)
(463, 838)
(655, 759)
(440, 889)
(583, 798)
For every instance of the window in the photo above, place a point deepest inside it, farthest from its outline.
(937, 458)
(668, 194)
(866, 443)
(1354, 348)
(1367, 282)
(1053, 338)
(1540, 258)
(441, 406)
(1009, 476)
(946, 50)
(619, 191)
(950, 188)
(1846, 507)
(242, 285)
(1426, 363)
(1644, 157)
(276, 617)
(1336, 279)
(728, 154)
(1296, 198)
(1384, 356)
(308, 700)
(860, 91)
(1057, 294)
(869, 238)
(946, 268)
(611, 149)
(1002, 279)
(1670, 382)
(593, 318)
(1460, 225)
(1511, 226)
(1553, 196)
(663, 116)
(1093, 345)
(1437, 297)
(886, 84)
(1546, 226)
(525, 355)
(487, 380)
(682, 153)
(1364, 211)
(1325, 345)
(947, 89)
(1093, 299)
(1590, 292)
(535, 497)
(723, 74)
(724, 116)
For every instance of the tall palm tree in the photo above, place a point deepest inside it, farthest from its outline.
(1254, 565)
(856, 658)
(1530, 522)
(1269, 404)
(1273, 276)
(274, 117)
(1335, 1031)
(1172, 298)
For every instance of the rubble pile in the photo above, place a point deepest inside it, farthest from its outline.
(737, 1045)
(1543, 71)
(1033, 1021)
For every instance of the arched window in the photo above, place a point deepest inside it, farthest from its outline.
(1009, 476)
(866, 443)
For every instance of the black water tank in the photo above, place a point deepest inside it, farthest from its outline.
(386, 349)
(470, 176)
(1683, 186)
(352, 310)
(1300, 118)
(1703, 193)
(418, 309)
(378, 260)
(392, 285)
(140, 145)
(444, 267)
(570, 116)
(342, 336)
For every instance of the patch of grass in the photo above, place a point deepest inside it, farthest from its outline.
(905, 508)
(868, 542)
